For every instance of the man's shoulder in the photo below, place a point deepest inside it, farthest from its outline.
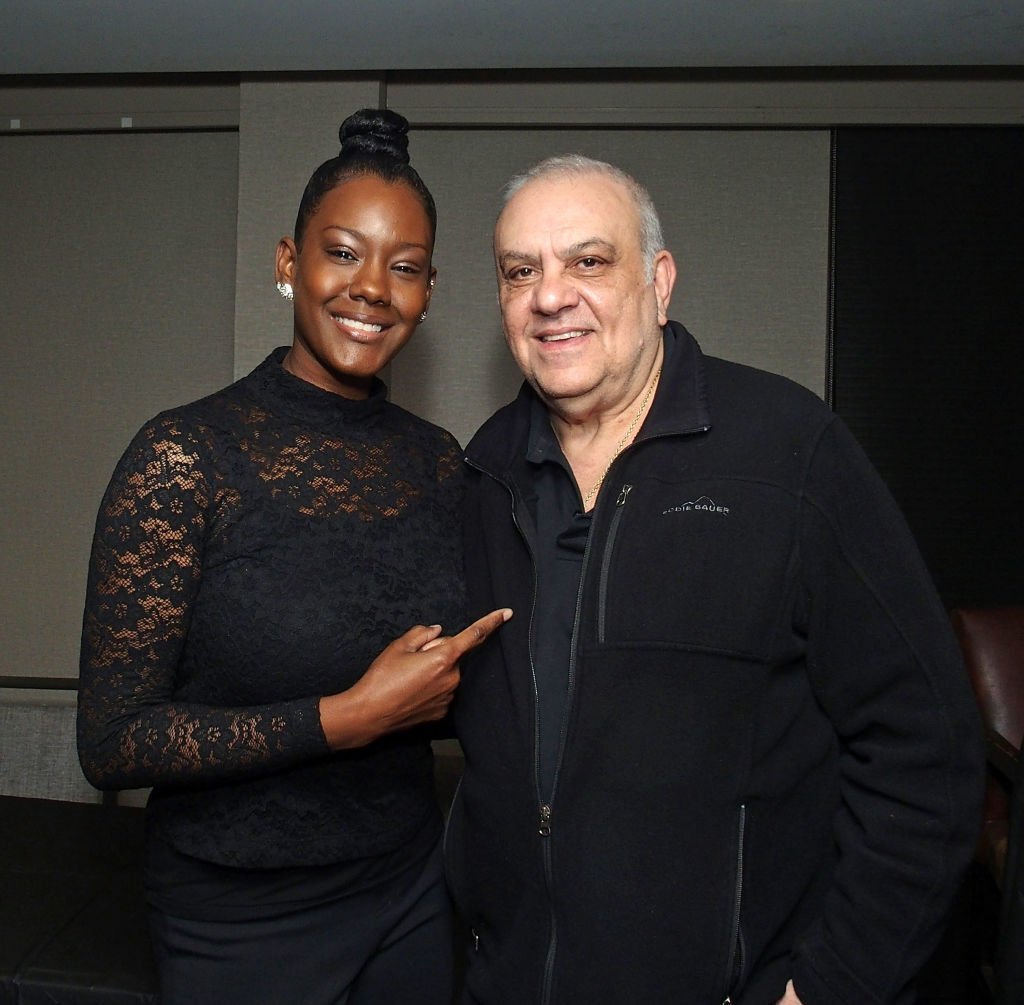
(749, 378)
(497, 433)
(738, 386)
(508, 415)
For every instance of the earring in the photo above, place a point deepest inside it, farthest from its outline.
(423, 316)
(286, 291)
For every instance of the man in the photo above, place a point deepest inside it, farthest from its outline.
(725, 752)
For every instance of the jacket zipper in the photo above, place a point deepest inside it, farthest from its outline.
(734, 968)
(536, 697)
(448, 823)
(544, 811)
(546, 808)
(606, 559)
(529, 644)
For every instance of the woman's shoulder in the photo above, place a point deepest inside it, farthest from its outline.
(191, 433)
(223, 411)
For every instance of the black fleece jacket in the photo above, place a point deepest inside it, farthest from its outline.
(771, 765)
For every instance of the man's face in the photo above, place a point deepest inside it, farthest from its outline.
(580, 316)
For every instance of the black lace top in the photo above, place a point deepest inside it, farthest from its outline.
(254, 551)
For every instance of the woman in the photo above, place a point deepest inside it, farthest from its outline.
(259, 558)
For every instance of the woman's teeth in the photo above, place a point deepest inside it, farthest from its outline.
(359, 326)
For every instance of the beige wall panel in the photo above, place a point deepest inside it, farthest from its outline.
(92, 107)
(285, 130)
(744, 212)
(708, 100)
(120, 304)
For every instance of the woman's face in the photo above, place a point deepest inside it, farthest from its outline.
(361, 277)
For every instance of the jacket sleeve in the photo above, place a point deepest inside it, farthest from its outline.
(887, 671)
(144, 574)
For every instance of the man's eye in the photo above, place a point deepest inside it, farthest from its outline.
(590, 262)
(520, 272)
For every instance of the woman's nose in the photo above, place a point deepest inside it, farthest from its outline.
(370, 283)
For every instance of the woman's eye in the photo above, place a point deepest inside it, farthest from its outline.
(406, 269)
(342, 253)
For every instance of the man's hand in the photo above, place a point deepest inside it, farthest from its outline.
(789, 998)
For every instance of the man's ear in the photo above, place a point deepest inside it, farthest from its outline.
(664, 282)
(285, 259)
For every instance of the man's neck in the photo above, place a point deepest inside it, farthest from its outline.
(592, 438)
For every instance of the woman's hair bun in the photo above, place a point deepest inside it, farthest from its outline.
(373, 142)
(375, 132)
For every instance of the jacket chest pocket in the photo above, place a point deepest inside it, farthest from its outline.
(701, 563)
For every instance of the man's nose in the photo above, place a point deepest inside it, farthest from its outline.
(554, 292)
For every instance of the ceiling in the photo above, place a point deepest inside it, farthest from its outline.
(267, 36)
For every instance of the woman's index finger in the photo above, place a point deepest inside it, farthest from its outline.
(473, 635)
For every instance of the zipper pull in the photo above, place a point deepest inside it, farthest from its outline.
(545, 821)
(476, 940)
(626, 489)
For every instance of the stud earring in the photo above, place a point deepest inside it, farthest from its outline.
(286, 291)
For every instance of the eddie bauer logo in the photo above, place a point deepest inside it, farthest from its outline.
(704, 505)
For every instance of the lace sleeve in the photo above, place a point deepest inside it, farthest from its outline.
(144, 574)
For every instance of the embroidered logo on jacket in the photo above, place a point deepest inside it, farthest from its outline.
(705, 504)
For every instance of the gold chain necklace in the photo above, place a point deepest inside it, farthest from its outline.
(626, 437)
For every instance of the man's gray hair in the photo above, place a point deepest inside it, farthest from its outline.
(576, 165)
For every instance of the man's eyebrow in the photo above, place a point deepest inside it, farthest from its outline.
(507, 258)
(587, 244)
